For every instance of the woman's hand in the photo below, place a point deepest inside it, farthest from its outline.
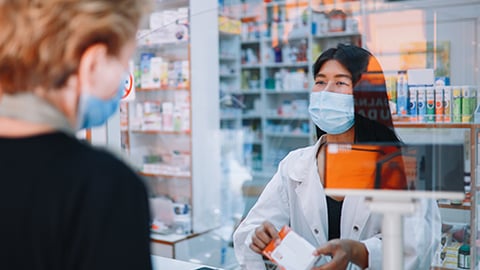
(263, 235)
(343, 251)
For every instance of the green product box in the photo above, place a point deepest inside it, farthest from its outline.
(430, 102)
(467, 104)
(457, 104)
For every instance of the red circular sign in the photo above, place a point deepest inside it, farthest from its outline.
(128, 86)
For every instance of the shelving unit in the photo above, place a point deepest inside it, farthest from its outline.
(163, 129)
(278, 45)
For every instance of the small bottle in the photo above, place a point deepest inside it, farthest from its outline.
(464, 256)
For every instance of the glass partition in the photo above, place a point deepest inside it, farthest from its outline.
(427, 49)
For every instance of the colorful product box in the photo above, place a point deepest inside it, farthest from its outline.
(167, 116)
(469, 102)
(413, 103)
(457, 104)
(155, 71)
(447, 104)
(430, 102)
(467, 109)
(439, 109)
(391, 83)
(292, 253)
(145, 69)
(402, 95)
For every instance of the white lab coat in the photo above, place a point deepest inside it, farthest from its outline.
(295, 197)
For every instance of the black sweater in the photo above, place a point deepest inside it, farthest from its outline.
(65, 205)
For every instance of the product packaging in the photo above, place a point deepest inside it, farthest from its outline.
(413, 102)
(468, 103)
(292, 253)
(145, 70)
(447, 104)
(439, 109)
(457, 104)
(430, 104)
(402, 94)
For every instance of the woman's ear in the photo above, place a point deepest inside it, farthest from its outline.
(92, 66)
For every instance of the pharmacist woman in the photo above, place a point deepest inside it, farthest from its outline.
(64, 204)
(341, 227)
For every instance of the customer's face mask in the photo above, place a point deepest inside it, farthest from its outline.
(332, 112)
(94, 111)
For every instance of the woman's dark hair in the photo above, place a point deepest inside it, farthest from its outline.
(373, 120)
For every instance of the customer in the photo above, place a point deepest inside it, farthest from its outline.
(341, 227)
(64, 204)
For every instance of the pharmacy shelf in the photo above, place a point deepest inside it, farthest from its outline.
(248, 66)
(405, 124)
(164, 46)
(251, 41)
(229, 118)
(270, 100)
(288, 38)
(228, 58)
(286, 3)
(288, 135)
(161, 88)
(453, 206)
(336, 35)
(293, 91)
(246, 92)
(251, 116)
(229, 76)
(162, 175)
(160, 132)
(182, 156)
(286, 65)
(293, 117)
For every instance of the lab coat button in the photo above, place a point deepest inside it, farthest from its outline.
(355, 228)
(316, 231)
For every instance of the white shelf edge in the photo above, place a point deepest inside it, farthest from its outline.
(288, 135)
(279, 92)
(336, 34)
(279, 117)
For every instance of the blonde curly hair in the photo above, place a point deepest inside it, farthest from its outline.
(42, 41)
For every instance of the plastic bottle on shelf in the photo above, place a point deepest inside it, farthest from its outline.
(278, 54)
(286, 54)
(402, 94)
(457, 104)
(278, 81)
(464, 256)
(337, 20)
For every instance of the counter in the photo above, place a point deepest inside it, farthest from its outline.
(162, 263)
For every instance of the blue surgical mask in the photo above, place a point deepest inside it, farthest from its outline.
(332, 112)
(94, 111)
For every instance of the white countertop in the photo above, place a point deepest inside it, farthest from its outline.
(162, 263)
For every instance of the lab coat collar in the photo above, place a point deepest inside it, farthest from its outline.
(301, 169)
